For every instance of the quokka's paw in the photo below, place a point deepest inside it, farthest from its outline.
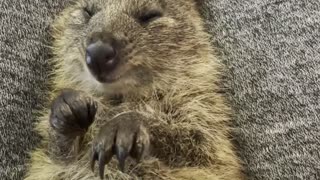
(123, 136)
(72, 113)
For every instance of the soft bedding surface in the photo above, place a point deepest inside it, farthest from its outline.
(271, 50)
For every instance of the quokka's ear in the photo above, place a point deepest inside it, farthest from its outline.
(199, 3)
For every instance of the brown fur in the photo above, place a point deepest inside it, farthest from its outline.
(171, 76)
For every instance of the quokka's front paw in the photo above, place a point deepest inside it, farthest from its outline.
(123, 136)
(72, 113)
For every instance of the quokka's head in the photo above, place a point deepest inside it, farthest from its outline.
(120, 45)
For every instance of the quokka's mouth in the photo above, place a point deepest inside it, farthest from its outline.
(107, 79)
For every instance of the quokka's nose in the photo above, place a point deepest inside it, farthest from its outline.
(101, 57)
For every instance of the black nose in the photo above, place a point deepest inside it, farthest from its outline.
(101, 58)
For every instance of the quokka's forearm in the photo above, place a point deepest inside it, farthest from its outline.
(62, 147)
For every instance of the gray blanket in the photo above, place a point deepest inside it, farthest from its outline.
(24, 40)
(271, 49)
(272, 52)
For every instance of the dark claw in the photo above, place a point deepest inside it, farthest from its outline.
(102, 163)
(103, 157)
(93, 159)
(92, 107)
(137, 151)
(121, 156)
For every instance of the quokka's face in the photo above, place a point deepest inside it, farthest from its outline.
(127, 42)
